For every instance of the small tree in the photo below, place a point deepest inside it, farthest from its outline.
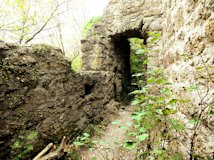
(23, 20)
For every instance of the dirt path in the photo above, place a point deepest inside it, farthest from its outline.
(109, 146)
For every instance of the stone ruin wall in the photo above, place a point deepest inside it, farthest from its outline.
(39, 92)
(102, 49)
(188, 58)
(185, 51)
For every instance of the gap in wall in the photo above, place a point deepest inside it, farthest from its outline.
(123, 71)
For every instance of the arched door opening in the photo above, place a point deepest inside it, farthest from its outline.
(129, 55)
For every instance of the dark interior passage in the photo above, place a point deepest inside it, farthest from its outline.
(122, 50)
(123, 57)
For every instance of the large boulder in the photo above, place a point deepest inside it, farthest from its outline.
(39, 92)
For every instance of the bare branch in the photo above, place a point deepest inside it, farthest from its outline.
(44, 151)
(44, 25)
(57, 153)
(25, 17)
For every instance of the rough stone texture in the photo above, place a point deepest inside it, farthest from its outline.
(188, 41)
(107, 48)
(186, 53)
(38, 91)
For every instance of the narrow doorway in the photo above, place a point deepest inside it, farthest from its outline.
(130, 53)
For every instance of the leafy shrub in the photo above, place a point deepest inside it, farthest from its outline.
(23, 145)
(137, 61)
(138, 51)
(153, 126)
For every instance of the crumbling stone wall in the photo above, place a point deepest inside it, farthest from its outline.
(106, 47)
(188, 58)
(39, 92)
(185, 53)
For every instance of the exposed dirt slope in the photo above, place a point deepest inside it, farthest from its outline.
(39, 92)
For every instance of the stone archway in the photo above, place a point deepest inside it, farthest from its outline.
(110, 55)
(121, 52)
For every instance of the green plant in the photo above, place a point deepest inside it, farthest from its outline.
(90, 24)
(152, 123)
(23, 145)
(84, 140)
(155, 102)
(137, 61)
